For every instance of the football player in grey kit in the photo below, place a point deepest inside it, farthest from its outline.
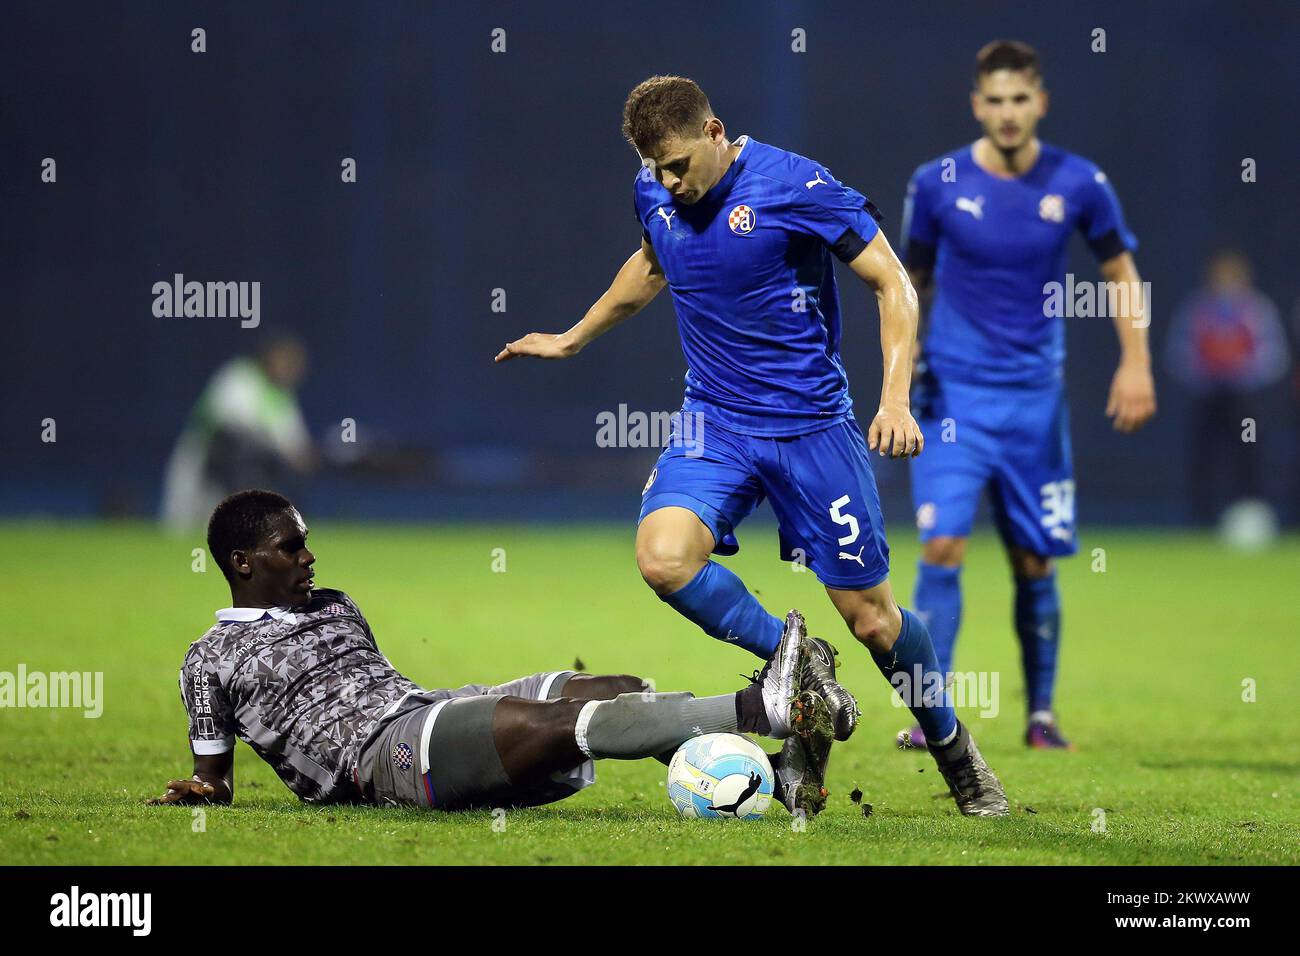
(294, 672)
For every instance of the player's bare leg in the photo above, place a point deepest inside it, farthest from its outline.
(602, 686)
(673, 551)
(900, 645)
(537, 739)
(937, 599)
(606, 687)
(672, 547)
(1038, 626)
(800, 765)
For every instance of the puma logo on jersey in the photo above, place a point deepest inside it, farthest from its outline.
(813, 182)
(973, 206)
(845, 556)
(667, 217)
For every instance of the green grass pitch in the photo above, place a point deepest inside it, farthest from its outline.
(1155, 652)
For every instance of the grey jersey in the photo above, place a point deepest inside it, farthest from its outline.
(304, 687)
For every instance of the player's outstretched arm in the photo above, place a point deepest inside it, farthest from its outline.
(636, 284)
(1132, 398)
(213, 782)
(893, 431)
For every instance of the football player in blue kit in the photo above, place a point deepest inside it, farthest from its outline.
(986, 229)
(744, 235)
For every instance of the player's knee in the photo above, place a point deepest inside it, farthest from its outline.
(944, 552)
(875, 627)
(1026, 564)
(666, 566)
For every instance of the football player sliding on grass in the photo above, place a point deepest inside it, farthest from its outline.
(743, 235)
(294, 671)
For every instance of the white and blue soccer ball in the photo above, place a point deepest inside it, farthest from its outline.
(720, 776)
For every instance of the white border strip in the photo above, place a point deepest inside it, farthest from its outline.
(584, 719)
(545, 692)
(427, 731)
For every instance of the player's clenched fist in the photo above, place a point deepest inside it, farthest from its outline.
(185, 791)
(540, 344)
(895, 433)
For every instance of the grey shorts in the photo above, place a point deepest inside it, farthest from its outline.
(438, 751)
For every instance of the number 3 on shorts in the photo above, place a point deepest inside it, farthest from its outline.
(848, 520)
(1058, 504)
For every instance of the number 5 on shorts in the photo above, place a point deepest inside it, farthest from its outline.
(848, 520)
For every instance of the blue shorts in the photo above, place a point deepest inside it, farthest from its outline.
(820, 486)
(1013, 441)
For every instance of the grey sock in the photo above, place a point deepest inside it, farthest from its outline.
(642, 725)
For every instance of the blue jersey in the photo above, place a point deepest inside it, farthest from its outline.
(993, 245)
(752, 279)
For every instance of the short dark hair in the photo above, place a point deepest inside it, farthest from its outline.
(662, 107)
(240, 522)
(1006, 55)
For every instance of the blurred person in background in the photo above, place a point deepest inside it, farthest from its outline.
(986, 230)
(1227, 344)
(246, 430)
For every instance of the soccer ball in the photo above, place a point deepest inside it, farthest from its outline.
(1249, 525)
(720, 775)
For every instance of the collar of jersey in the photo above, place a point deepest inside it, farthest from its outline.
(246, 615)
(719, 189)
(1022, 178)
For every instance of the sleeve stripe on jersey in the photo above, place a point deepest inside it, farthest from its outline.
(1108, 246)
(849, 245)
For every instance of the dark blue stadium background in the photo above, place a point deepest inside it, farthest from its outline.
(480, 171)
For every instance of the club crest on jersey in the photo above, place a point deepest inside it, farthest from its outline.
(654, 473)
(741, 220)
(403, 756)
(1052, 208)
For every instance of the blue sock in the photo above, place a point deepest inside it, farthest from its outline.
(1038, 625)
(938, 604)
(912, 662)
(722, 606)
